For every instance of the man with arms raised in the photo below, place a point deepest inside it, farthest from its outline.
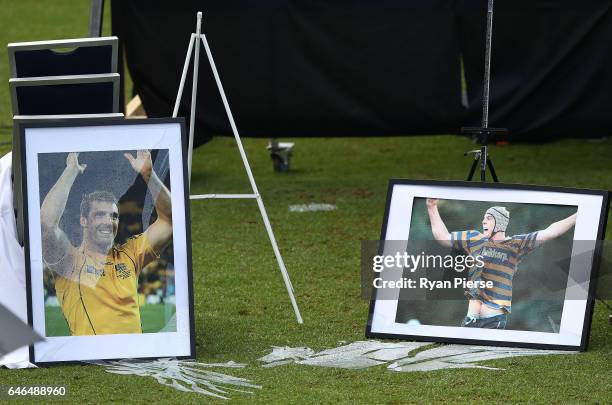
(489, 307)
(96, 283)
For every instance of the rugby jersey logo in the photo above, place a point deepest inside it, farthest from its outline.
(122, 271)
(495, 254)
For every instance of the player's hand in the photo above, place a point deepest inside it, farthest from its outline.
(72, 162)
(431, 202)
(142, 163)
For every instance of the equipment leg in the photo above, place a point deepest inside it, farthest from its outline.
(473, 169)
(492, 170)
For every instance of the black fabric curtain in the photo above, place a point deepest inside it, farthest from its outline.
(301, 68)
(551, 67)
(364, 68)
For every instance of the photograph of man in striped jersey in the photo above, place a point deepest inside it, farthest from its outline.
(501, 254)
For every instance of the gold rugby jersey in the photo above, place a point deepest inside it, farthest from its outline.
(102, 298)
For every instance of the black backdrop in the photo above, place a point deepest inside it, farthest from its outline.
(552, 66)
(364, 68)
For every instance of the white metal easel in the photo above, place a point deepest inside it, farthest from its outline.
(195, 41)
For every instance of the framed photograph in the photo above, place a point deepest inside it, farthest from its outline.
(488, 264)
(107, 239)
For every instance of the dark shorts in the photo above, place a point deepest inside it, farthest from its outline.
(494, 322)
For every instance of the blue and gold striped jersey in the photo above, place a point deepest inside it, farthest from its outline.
(501, 259)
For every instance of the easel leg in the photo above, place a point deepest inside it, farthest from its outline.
(492, 170)
(179, 95)
(247, 167)
(194, 96)
(483, 163)
(472, 170)
(279, 258)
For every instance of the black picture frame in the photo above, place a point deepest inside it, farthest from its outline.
(184, 196)
(602, 221)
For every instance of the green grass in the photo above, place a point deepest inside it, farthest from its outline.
(242, 309)
(241, 306)
(153, 318)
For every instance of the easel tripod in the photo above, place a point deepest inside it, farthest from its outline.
(481, 156)
(195, 40)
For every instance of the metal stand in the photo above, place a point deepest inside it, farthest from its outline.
(195, 41)
(484, 133)
(280, 153)
(95, 18)
(480, 155)
(477, 159)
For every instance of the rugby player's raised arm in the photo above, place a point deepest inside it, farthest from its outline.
(438, 228)
(556, 229)
(159, 233)
(55, 243)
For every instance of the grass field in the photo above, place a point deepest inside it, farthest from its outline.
(241, 306)
(242, 309)
(153, 318)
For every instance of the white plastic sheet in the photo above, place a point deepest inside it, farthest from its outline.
(312, 207)
(12, 265)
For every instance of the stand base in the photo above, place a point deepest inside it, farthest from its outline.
(482, 136)
(477, 161)
(280, 153)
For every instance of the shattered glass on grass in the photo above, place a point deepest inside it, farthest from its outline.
(186, 376)
(403, 356)
(194, 377)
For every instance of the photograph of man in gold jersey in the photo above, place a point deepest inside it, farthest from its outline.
(96, 282)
